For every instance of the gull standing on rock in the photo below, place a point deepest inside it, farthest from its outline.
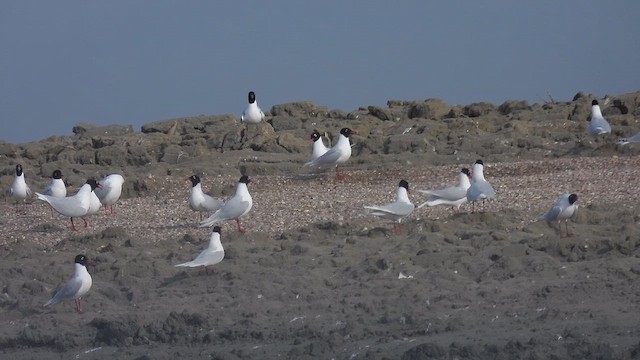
(337, 154)
(318, 146)
(252, 114)
(199, 201)
(597, 125)
(397, 210)
(72, 206)
(19, 189)
(453, 196)
(110, 191)
(56, 187)
(480, 188)
(210, 256)
(77, 286)
(563, 209)
(234, 208)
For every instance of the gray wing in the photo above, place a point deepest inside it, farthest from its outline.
(551, 214)
(205, 258)
(481, 189)
(68, 291)
(598, 126)
(232, 209)
(330, 157)
(393, 209)
(451, 193)
(211, 203)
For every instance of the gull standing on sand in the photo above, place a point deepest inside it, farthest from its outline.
(234, 208)
(210, 256)
(397, 210)
(110, 191)
(19, 189)
(318, 147)
(337, 154)
(597, 125)
(77, 286)
(480, 188)
(563, 209)
(634, 139)
(73, 206)
(199, 201)
(56, 187)
(453, 196)
(94, 207)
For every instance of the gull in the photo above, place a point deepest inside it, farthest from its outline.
(397, 210)
(597, 125)
(110, 191)
(210, 256)
(77, 286)
(480, 188)
(199, 201)
(19, 189)
(234, 208)
(318, 148)
(252, 114)
(453, 196)
(72, 206)
(635, 138)
(56, 187)
(94, 207)
(337, 154)
(563, 209)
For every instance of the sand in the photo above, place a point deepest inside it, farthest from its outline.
(315, 277)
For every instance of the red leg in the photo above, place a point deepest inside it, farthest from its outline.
(78, 308)
(240, 228)
(339, 176)
(86, 224)
(73, 227)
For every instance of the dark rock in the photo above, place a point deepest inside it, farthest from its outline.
(478, 109)
(511, 106)
(429, 109)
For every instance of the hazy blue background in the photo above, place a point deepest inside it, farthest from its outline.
(134, 62)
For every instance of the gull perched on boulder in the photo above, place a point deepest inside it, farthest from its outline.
(598, 125)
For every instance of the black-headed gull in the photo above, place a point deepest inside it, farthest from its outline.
(210, 256)
(234, 208)
(337, 154)
(199, 201)
(597, 125)
(252, 114)
(19, 189)
(72, 206)
(453, 196)
(480, 188)
(397, 210)
(110, 191)
(56, 186)
(318, 147)
(634, 139)
(77, 286)
(94, 207)
(563, 209)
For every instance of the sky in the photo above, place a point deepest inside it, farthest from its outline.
(138, 61)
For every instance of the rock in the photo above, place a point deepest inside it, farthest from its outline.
(511, 106)
(429, 109)
(108, 130)
(478, 109)
(302, 109)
